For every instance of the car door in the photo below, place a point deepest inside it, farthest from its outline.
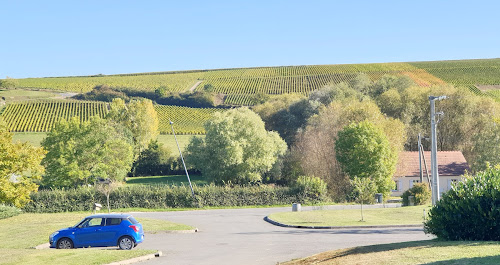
(110, 232)
(88, 233)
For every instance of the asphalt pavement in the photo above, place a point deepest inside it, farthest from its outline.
(241, 236)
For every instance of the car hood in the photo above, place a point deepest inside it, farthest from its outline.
(68, 229)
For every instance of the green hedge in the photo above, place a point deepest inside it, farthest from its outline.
(161, 196)
(8, 211)
(469, 211)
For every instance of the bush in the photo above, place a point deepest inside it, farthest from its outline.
(8, 211)
(469, 211)
(163, 196)
(312, 187)
(102, 93)
(156, 160)
(421, 193)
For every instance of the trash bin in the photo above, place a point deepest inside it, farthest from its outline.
(296, 207)
(379, 198)
(411, 200)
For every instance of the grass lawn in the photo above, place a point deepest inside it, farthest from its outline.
(380, 216)
(34, 138)
(25, 94)
(175, 180)
(169, 141)
(418, 252)
(29, 230)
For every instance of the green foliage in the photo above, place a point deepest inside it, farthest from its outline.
(470, 210)
(103, 93)
(161, 91)
(19, 169)
(334, 91)
(364, 189)
(312, 187)
(81, 152)
(8, 83)
(421, 193)
(236, 149)
(8, 211)
(198, 99)
(162, 196)
(363, 151)
(140, 117)
(156, 160)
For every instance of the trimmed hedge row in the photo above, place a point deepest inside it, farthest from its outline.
(161, 196)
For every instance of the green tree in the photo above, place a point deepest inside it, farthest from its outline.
(237, 148)
(8, 83)
(79, 153)
(20, 169)
(363, 151)
(140, 117)
(365, 189)
(155, 160)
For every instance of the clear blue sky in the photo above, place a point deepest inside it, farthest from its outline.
(61, 38)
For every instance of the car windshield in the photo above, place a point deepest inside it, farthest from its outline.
(80, 223)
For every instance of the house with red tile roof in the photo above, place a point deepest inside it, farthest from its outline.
(451, 166)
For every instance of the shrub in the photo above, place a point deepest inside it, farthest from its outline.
(163, 196)
(8, 211)
(469, 211)
(421, 193)
(312, 187)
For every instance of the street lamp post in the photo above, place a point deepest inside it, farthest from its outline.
(434, 164)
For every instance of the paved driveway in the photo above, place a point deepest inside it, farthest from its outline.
(241, 236)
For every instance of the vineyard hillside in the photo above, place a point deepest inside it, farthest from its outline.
(42, 115)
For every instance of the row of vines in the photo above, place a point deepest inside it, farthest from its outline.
(239, 84)
(41, 116)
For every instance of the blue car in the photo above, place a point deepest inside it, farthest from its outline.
(100, 230)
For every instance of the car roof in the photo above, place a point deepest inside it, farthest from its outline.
(109, 215)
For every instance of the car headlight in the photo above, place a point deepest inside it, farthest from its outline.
(54, 234)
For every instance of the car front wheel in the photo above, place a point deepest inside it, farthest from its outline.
(64, 243)
(126, 243)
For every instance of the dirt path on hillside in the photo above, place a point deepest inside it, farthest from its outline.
(195, 86)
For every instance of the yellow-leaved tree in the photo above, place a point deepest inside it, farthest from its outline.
(19, 169)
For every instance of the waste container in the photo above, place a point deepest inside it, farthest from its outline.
(411, 200)
(296, 207)
(379, 198)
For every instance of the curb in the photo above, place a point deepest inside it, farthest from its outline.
(267, 219)
(137, 259)
(42, 246)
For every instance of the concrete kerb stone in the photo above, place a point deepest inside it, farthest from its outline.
(269, 220)
(137, 259)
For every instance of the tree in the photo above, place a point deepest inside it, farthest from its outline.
(19, 169)
(8, 83)
(79, 153)
(363, 151)
(237, 148)
(365, 189)
(106, 187)
(315, 146)
(155, 160)
(140, 117)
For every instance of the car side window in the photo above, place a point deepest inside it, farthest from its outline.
(113, 221)
(96, 222)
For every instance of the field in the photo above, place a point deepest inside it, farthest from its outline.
(351, 217)
(42, 115)
(238, 84)
(409, 253)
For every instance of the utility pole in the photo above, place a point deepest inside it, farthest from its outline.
(434, 164)
(420, 158)
(182, 158)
